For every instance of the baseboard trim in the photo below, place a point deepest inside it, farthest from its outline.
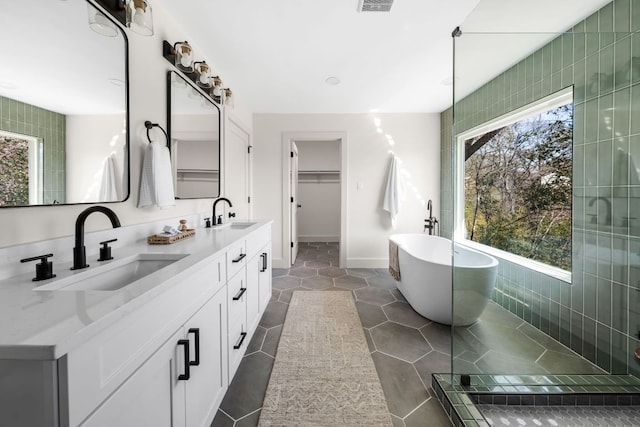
(367, 262)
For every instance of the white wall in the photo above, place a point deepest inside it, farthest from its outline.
(147, 101)
(416, 142)
(318, 194)
(108, 137)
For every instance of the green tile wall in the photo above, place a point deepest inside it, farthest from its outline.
(16, 116)
(598, 314)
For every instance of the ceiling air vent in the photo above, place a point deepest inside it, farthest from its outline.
(374, 5)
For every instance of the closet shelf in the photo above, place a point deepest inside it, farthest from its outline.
(318, 176)
(213, 171)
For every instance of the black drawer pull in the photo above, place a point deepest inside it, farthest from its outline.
(196, 333)
(239, 295)
(186, 374)
(240, 258)
(264, 262)
(243, 335)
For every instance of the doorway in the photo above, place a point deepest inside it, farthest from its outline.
(237, 171)
(314, 191)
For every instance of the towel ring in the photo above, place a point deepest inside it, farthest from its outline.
(150, 126)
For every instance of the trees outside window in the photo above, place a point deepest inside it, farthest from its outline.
(14, 171)
(518, 184)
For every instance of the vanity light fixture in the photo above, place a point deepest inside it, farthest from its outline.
(99, 23)
(134, 14)
(184, 56)
(203, 73)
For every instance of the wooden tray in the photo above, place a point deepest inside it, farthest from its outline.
(164, 239)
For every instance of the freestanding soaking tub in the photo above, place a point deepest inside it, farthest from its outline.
(426, 278)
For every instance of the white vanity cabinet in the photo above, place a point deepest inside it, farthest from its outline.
(165, 359)
(106, 366)
(182, 384)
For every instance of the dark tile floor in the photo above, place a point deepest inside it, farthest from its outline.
(406, 348)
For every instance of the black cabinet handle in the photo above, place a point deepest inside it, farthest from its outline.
(243, 335)
(196, 333)
(239, 294)
(240, 257)
(264, 262)
(186, 375)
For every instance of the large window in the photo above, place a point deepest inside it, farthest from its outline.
(517, 183)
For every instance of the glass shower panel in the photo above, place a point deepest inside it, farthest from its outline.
(543, 151)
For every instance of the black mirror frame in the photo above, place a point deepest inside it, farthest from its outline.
(205, 96)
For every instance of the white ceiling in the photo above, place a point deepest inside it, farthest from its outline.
(276, 55)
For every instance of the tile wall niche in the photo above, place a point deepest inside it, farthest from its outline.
(598, 314)
(18, 117)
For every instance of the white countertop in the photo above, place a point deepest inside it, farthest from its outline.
(45, 325)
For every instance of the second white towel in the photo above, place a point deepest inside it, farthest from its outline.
(394, 191)
(156, 182)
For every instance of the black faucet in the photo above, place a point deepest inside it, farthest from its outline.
(607, 202)
(79, 252)
(430, 223)
(218, 220)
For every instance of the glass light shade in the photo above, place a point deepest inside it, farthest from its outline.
(228, 97)
(216, 91)
(204, 73)
(100, 23)
(139, 18)
(184, 57)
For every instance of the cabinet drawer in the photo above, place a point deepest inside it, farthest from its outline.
(94, 370)
(236, 258)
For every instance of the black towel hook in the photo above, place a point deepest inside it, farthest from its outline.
(150, 126)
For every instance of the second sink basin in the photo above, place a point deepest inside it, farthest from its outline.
(114, 275)
(241, 225)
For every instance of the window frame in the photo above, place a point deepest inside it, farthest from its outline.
(552, 101)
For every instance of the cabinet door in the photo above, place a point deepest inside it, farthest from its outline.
(254, 266)
(207, 335)
(238, 336)
(152, 396)
(264, 282)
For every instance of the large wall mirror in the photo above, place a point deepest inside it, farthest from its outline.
(63, 105)
(194, 130)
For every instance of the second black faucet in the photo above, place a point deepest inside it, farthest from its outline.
(218, 219)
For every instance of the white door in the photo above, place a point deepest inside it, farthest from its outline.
(236, 171)
(294, 201)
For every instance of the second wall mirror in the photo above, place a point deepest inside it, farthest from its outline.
(194, 129)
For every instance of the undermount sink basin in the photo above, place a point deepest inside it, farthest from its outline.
(241, 225)
(114, 275)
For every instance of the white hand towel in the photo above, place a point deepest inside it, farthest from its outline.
(108, 190)
(394, 191)
(156, 182)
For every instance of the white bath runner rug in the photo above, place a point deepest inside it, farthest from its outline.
(323, 374)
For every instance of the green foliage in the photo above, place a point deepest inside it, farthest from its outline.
(14, 171)
(518, 188)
